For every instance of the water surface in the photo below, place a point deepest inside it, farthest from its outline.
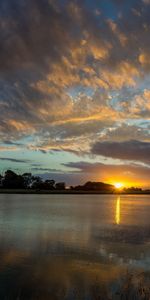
(74, 247)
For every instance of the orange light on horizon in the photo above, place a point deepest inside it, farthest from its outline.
(121, 182)
(118, 185)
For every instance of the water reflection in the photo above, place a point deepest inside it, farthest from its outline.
(71, 248)
(117, 215)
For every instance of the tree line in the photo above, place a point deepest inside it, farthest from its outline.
(11, 180)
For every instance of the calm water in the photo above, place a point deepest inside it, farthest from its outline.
(74, 247)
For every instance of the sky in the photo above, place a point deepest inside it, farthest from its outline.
(75, 89)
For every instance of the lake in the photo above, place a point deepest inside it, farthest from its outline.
(74, 247)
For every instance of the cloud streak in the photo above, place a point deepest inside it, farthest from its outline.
(14, 160)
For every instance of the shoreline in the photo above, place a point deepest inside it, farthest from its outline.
(67, 192)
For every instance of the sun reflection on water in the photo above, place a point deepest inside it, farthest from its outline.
(117, 215)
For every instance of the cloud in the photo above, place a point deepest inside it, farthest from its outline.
(128, 150)
(146, 1)
(9, 143)
(37, 169)
(72, 74)
(125, 132)
(24, 161)
(33, 31)
(8, 148)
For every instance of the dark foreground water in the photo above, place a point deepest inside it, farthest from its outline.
(71, 247)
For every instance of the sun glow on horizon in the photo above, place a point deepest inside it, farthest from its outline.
(118, 185)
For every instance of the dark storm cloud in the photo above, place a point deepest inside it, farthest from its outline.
(127, 150)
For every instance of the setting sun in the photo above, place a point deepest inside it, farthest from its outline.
(118, 185)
